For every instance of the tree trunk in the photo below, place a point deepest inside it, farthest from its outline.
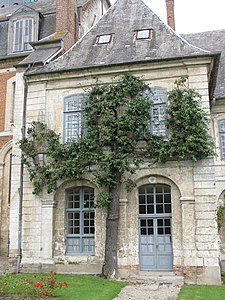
(110, 267)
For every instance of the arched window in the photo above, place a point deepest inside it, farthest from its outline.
(222, 138)
(80, 224)
(74, 122)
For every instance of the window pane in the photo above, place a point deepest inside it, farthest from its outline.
(150, 209)
(150, 199)
(142, 209)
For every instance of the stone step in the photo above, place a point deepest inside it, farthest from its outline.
(157, 277)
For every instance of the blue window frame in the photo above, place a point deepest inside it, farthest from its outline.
(80, 221)
(222, 138)
(74, 121)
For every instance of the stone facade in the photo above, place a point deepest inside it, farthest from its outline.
(195, 239)
(196, 189)
(12, 93)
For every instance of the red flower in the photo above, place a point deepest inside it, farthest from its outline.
(27, 280)
(51, 272)
(54, 273)
(46, 292)
(65, 283)
(35, 276)
(42, 293)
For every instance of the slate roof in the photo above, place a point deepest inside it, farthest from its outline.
(213, 41)
(122, 20)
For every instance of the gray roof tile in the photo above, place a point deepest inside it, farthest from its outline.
(212, 41)
(122, 20)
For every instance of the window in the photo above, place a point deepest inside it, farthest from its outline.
(222, 138)
(74, 121)
(157, 125)
(80, 227)
(23, 34)
(104, 39)
(23, 29)
(154, 199)
(144, 34)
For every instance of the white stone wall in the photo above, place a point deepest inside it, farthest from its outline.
(193, 189)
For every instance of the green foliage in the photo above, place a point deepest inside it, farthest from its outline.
(201, 292)
(118, 137)
(31, 285)
(75, 287)
(188, 123)
(221, 216)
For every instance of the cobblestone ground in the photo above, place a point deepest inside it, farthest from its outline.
(149, 291)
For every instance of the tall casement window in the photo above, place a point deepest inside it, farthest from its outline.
(74, 122)
(158, 113)
(221, 126)
(23, 35)
(80, 223)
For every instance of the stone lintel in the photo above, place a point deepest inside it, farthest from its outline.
(187, 200)
(124, 201)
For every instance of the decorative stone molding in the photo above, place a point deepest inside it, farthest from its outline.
(187, 200)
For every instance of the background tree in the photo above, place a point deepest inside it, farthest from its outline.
(117, 117)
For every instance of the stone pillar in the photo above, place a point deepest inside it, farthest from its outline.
(47, 215)
(191, 262)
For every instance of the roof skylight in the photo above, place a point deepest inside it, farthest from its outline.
(104, 39)
(144, 34)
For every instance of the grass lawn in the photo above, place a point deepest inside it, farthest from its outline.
(66, 287)
(202, 292)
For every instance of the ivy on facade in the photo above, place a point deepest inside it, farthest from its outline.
(118, 138)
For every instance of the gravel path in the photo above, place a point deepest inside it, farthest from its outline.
(149, 291)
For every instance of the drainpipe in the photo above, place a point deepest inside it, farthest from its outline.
(23, 133)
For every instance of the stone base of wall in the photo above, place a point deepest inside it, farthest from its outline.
(7, 265)
(222, 265)
(210, 275)
(70, 268)
(199, 274)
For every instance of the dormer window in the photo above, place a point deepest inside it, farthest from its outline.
(23, 29)
(23, 34)
(104, 39)
(144, 34)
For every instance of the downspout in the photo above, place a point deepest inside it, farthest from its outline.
(23, 133)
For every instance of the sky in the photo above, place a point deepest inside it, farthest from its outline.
(193, 15)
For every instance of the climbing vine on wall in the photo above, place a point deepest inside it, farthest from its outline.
(118, 139)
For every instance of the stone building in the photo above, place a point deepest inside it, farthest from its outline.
(177, 232)
(23, 22)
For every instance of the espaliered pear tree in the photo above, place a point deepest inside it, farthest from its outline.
(117, 117)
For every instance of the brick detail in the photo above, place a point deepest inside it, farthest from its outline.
(3, 84)
(66, 21)
(4, 140)
(191, 273)
(170, 13)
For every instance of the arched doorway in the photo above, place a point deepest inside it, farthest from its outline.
(155, 223)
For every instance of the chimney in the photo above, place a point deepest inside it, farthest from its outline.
(66, 21)
(170, 13)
